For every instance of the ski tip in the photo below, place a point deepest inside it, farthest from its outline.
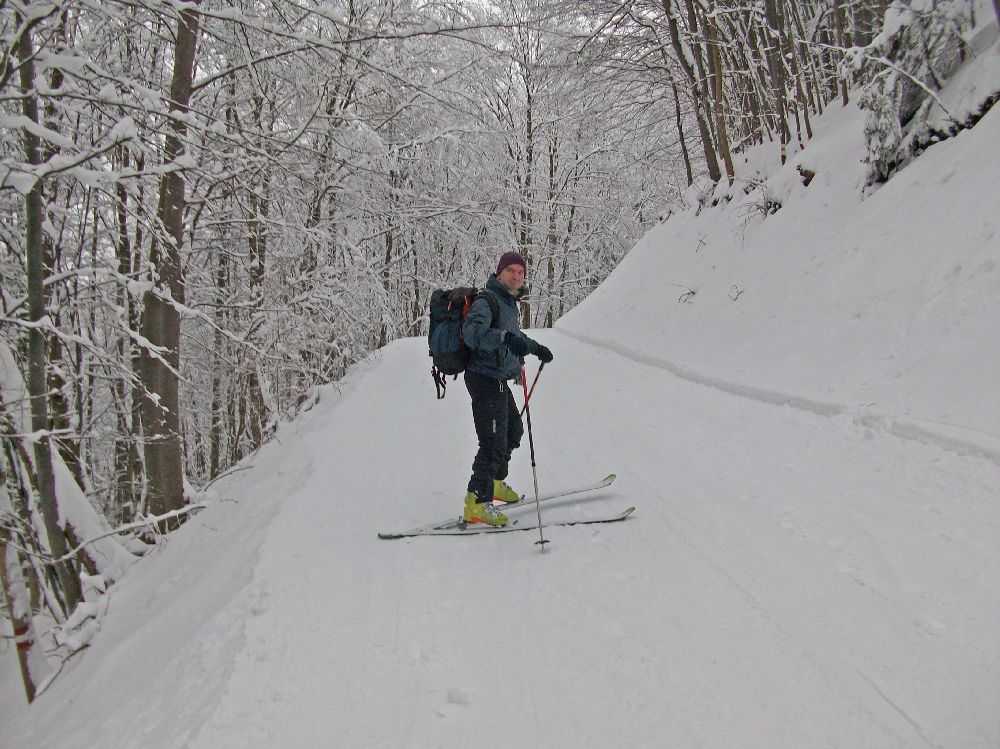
(609, 478)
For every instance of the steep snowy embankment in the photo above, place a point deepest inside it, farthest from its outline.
(883, 308)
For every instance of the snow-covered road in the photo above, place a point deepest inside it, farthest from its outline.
(789, 580)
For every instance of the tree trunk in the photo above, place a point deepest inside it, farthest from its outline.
(777, 70)
(67, 446)
(216, 430)
(842, 40)
(528, 197)
(793, 63)
(19, 579)
(383, 333)
(417, 310)
(30, 657)
(161, 324)
(34, 253)
(552, 238)
(700, 105)
(122, 492)
(258, 260)
(128, 469)
(715, 57)
(704, 82)
(680, 133)
(808, 67)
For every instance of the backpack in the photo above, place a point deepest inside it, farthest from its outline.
(447, 349)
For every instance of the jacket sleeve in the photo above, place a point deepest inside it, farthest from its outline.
(476, 330)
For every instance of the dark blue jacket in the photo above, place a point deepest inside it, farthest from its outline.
(490, 356)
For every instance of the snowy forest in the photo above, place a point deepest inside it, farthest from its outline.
(211, 208)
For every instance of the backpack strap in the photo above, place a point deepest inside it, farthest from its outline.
(494, 305)
(494, 312)
(440, 383)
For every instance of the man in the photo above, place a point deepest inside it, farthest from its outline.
(498, 347)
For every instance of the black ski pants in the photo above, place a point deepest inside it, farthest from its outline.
(498, 427)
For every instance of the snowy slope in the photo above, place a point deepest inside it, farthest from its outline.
(884, 308)
(815, 559)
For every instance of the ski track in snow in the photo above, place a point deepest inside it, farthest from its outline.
(949, 436)
(857, 552)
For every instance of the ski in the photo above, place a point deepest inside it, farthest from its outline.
(524, 500)
(459, 528)
(452, 523)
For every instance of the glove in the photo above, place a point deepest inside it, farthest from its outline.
(518, 343)
(543, 353)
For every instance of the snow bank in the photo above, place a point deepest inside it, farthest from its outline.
(880, 306)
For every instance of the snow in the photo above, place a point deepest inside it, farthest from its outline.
(111, 557)
(894, 295)
(815, 558)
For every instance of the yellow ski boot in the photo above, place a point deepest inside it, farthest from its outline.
(502, 492)
(482, 512)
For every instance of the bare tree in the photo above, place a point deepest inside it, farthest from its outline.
(15, 571)
(701, 102)
(715, 66)
(161, 318)
(37, 315)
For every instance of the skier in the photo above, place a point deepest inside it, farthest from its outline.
(498, 347)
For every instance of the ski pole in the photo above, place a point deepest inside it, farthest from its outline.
(533, 383)
(534, 468)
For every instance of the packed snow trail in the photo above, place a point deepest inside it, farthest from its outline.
(789, 580)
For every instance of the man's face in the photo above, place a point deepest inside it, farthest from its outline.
(512, 277)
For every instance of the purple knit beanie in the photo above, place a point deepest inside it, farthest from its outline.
(511, 258)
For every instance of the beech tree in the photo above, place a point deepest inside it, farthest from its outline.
(161, 318)
(35, 262)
